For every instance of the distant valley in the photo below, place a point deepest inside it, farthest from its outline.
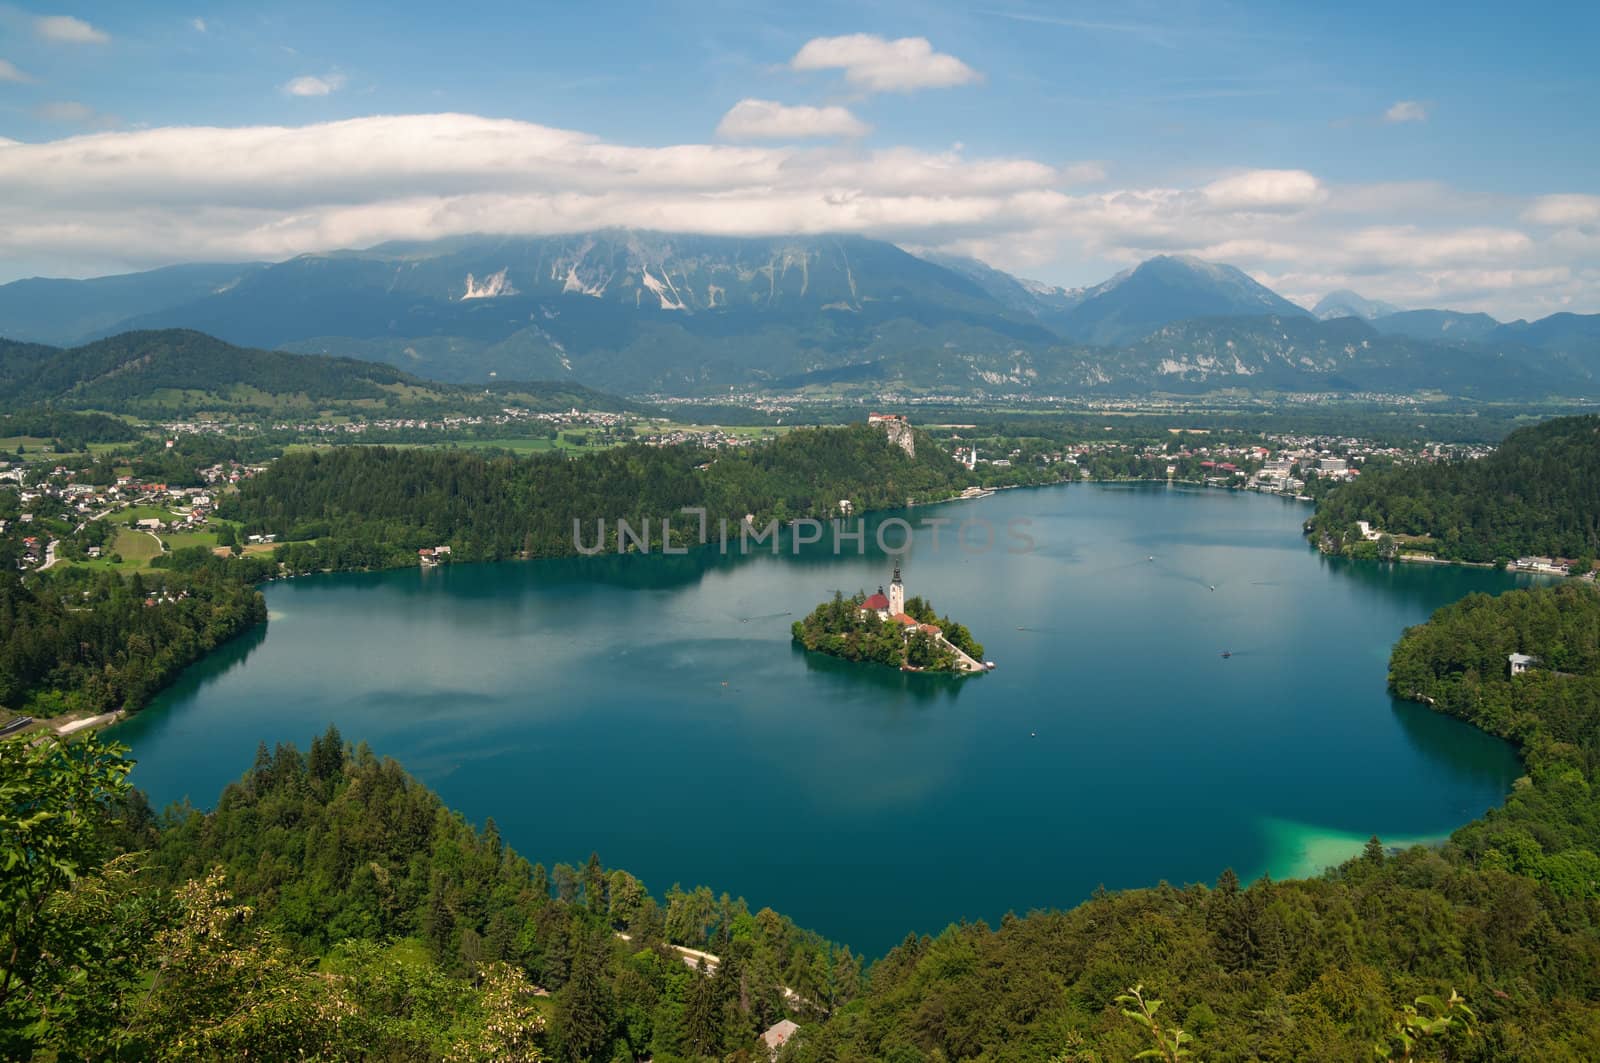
(673, 314)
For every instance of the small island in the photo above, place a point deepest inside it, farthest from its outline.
(891, 629)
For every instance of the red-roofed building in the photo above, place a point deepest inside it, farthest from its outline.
(903, 620)
(877, 603)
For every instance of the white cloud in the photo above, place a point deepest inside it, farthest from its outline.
(138, 198)
(310, 85)
(9, 72)
(1088, 172)
(1565, 209)
(1406, 111)
(1265, 190)
(767, 120)
(880, 65)
(65, 111)
(1409, 245)
(199, 24)
(68, 30)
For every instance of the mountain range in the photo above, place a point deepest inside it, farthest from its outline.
(647, 312)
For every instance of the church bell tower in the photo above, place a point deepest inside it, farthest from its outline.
(897, 593)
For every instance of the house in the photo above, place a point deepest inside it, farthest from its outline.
(778, 1035)
(1519, 663)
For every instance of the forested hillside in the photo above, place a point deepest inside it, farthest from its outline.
(331, 908)
(1538, 494)
(73, 430)
(79, 641)
(1458, 663)
(370, 506)
(175, 372)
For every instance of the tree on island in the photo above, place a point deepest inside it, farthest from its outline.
(842, 627)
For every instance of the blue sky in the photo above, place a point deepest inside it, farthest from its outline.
(1430, 155)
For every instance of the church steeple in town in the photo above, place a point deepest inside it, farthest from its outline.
(897, 593)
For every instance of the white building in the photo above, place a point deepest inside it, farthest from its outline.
(1520, 663)
(777, 1035)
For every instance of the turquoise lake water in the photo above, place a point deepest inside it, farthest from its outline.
(655, 709)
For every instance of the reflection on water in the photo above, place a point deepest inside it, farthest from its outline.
(656, 709)
(891, 683)
(214, 668)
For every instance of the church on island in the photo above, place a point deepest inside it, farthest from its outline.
(892, 607)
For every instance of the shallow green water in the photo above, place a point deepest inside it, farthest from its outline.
(654, 709)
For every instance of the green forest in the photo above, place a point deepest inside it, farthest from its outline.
(170, 372)
(1538, 494)
(841, 628)
(74, 640)
(374, 507)
(330, 907)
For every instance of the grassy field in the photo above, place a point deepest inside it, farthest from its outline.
(9, 444)
(38, 449)
(136, 548)
(137, 513)
(179, 540)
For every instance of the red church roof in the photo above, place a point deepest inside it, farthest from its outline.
(903, 620)
(876, 602)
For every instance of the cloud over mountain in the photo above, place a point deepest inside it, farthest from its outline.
(151, 196)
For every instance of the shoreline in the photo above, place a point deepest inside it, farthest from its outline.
(1320, 847)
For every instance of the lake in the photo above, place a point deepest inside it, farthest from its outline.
(654, 709)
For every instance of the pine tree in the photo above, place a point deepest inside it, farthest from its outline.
(1372, 853)
(585, 1012)
(327, 755)
(702, 1013)
(541, 883)
(594, 885)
